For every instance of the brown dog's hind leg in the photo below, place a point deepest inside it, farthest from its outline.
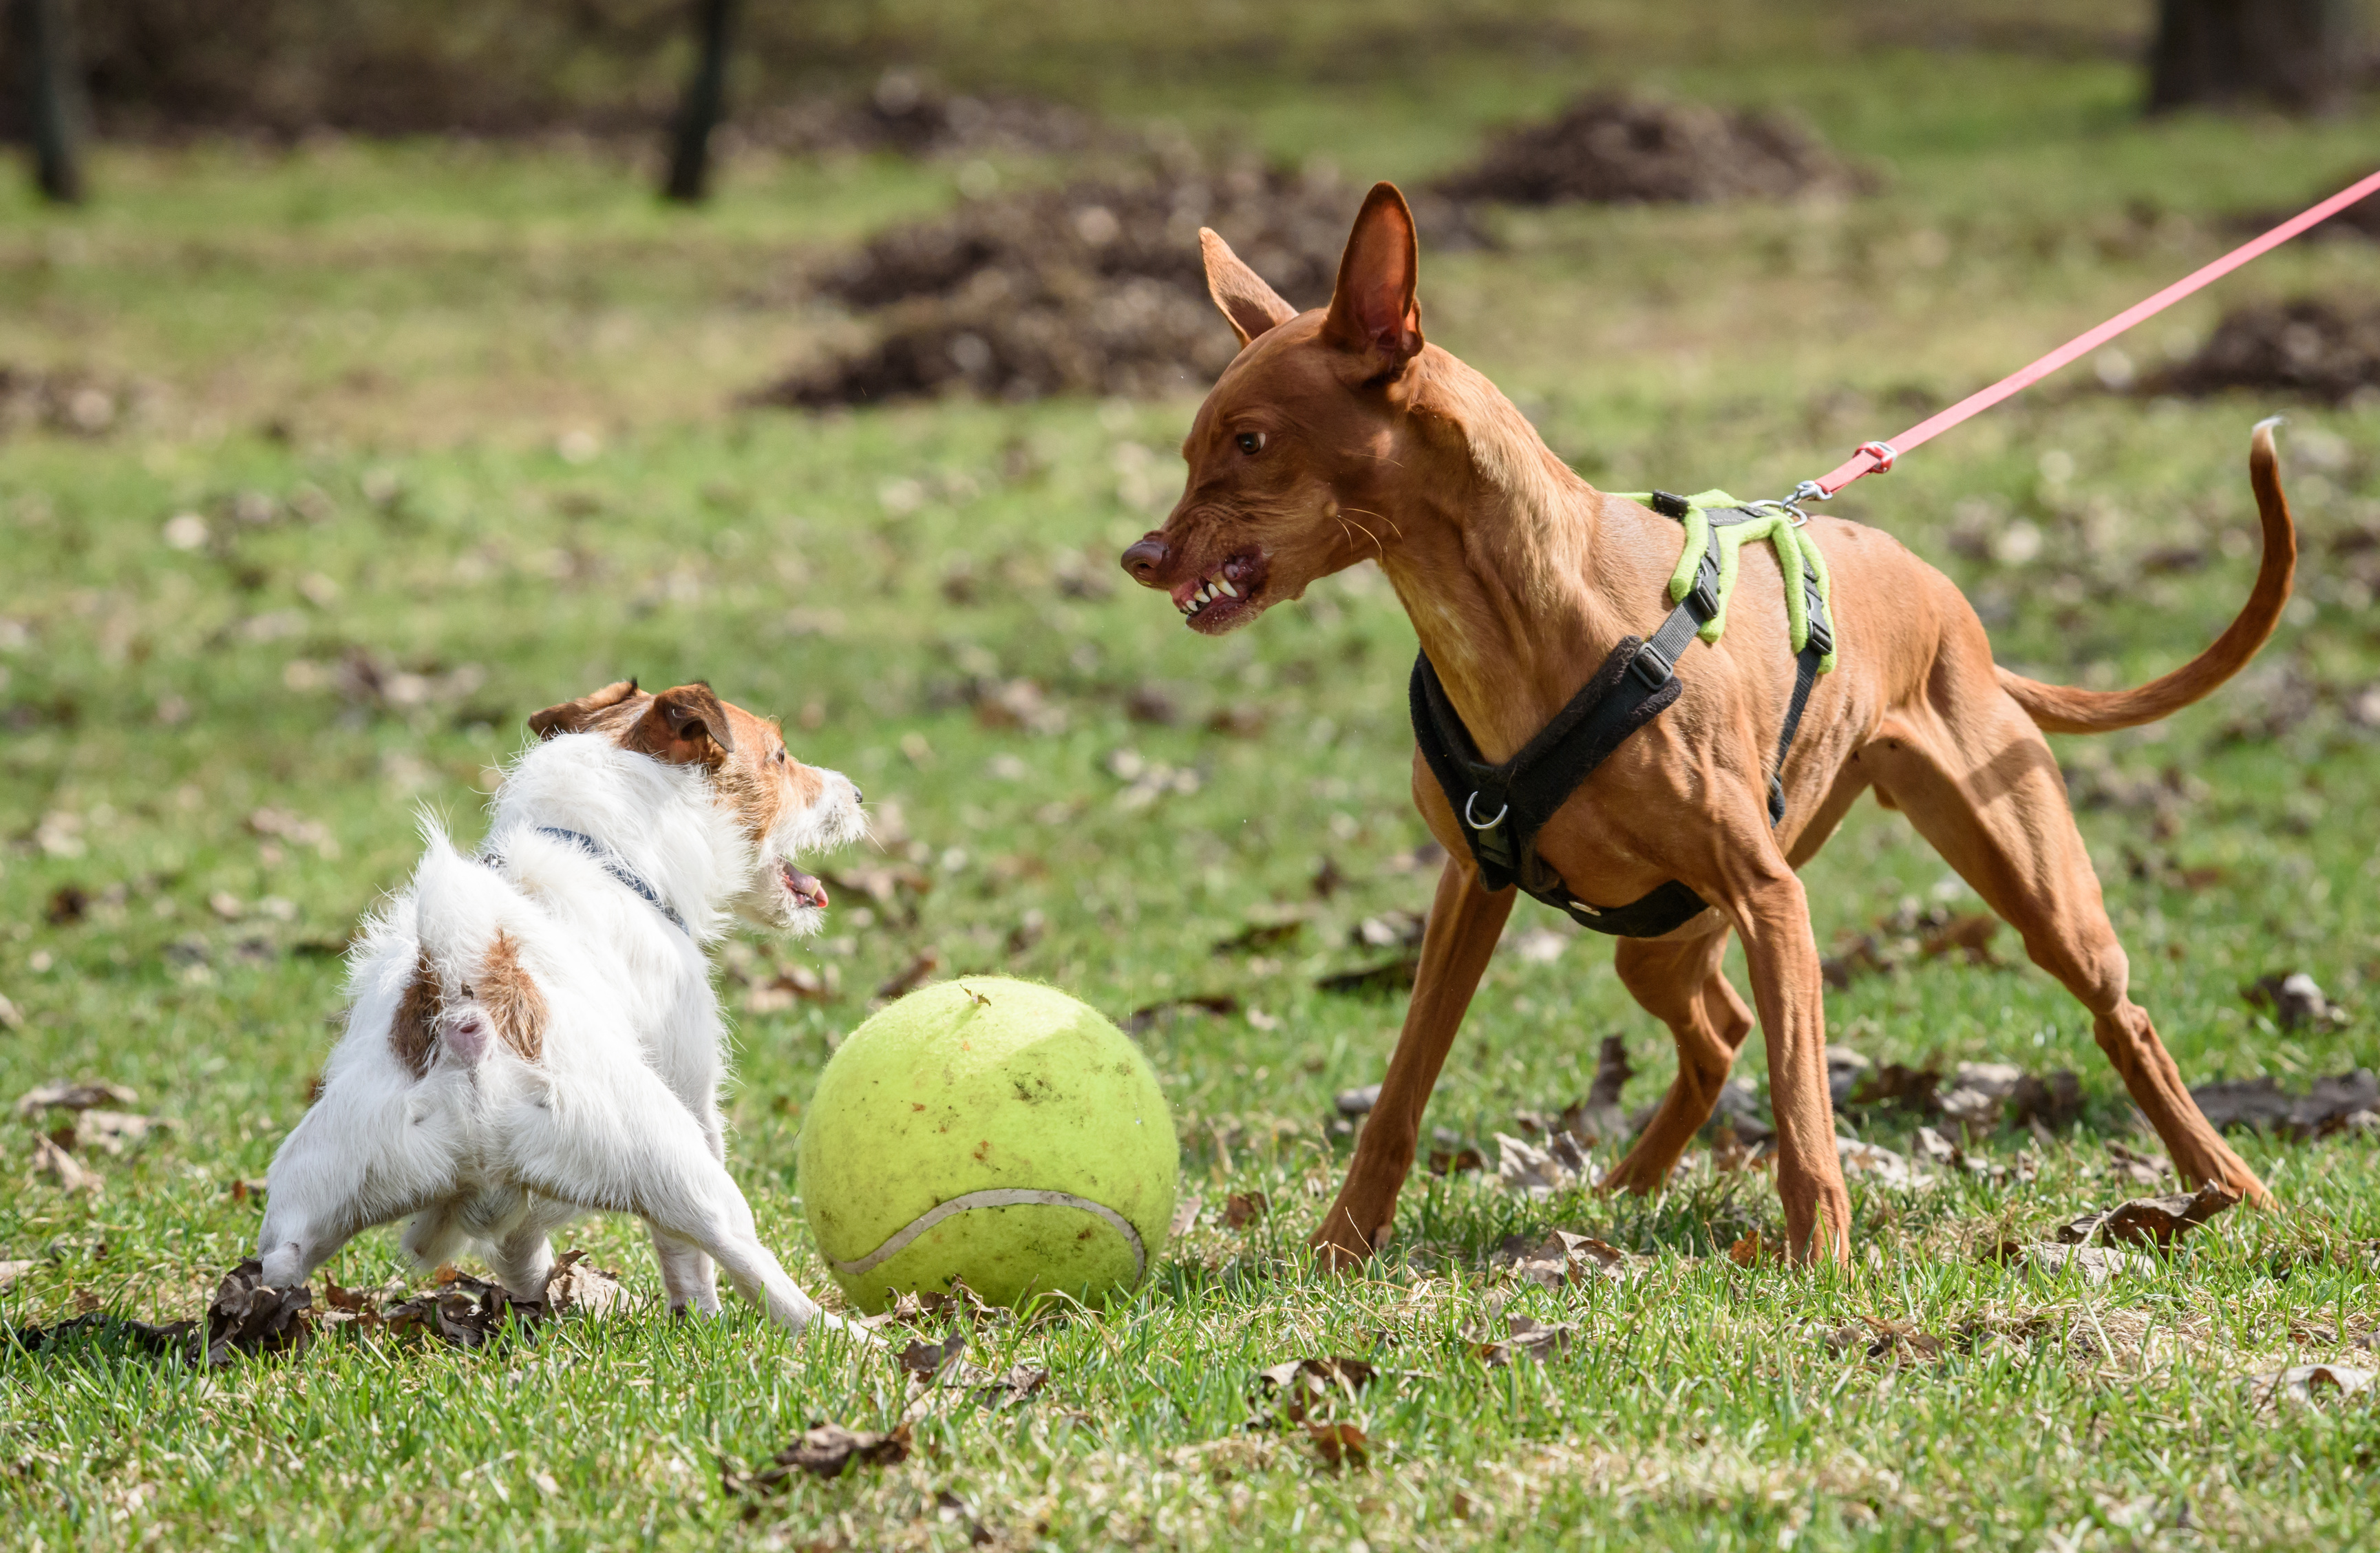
(1464, 923)
(1990, 800)
(1680, 983)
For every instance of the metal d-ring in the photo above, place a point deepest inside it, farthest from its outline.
(1491, 824)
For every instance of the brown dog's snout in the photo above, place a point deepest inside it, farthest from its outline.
(1146, 559)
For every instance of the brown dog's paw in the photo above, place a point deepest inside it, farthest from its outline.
(1339, 1250)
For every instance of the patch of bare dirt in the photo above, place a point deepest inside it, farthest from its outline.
(1095, 287)
(2314, 346)
(910, 115)
(77, 402)
(1618, 149)
(2360, 220)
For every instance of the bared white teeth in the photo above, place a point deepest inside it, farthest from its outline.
(1224, 587)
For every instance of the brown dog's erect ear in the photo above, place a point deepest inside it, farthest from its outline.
(1251, 305)
(1373, 312)
(572, 717)
(686, 726)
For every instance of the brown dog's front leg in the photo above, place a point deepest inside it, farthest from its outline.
(1464, 923)
(1773, 920)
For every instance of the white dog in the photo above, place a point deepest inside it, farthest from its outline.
(534, 1032)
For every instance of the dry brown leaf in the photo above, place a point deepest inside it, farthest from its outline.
(2094, 1264)
(1300, 1388)
(574, 1285)
(62, 1167)
(952, 1511)
(2295, 1001)
(1885, 1340)
(824, 1450)
(1881, 1163)
(2157, 1222)
(110, 1131)
(2142, 1170)
(2308, 1383)
(1244, 1208)
(1340, 1445)
(62, 1096)
(2261, 1103)
(1222, 1005)
(1262, 935)
(1522, 1167)
(2053, 1101)
(1968, 937)
(916, 974)
(1456, 1161)
(1356, 1102)
(1564, 1257)
(248, 1316)
(927, 1360)
(1185, 1215)
(1751, 1251)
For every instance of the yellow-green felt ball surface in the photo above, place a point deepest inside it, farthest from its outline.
(995, 1131)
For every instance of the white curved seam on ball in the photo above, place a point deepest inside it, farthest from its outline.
(997, 1196)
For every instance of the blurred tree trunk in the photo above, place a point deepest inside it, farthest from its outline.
(51, 89)
(2296, 54)
(698, 111)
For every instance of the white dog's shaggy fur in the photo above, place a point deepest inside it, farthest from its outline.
(531, 1038)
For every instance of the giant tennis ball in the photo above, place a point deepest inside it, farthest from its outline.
(989, 1130)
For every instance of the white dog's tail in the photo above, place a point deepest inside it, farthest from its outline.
(471, 989)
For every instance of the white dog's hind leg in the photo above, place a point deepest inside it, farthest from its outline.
(690, 1277)
(687, 1270)
(433, 1236)
(523, 1257)
(637, 1147)
(319, 1195)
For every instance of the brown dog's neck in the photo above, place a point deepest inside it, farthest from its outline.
(1498, 556)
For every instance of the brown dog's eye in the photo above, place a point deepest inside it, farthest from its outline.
(780, 756)
(1251, 441)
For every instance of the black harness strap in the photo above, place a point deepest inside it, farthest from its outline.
(1503, 806)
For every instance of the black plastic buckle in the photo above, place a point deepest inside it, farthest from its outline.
(1822, 636)
(1668, 503)
(1703, 597)
(1650, 666)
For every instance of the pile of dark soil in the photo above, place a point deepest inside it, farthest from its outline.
(908, 115)
(2314, 346)
(2359, 221)
(1614, 149)
(1093, 289)
(67, 400)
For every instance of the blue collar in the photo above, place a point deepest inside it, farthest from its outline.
(611, 863)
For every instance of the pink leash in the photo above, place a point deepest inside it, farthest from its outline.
(1877, 457)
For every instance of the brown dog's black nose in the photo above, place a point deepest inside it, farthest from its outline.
(1145, 560)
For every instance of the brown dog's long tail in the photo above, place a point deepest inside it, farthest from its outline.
(2058, 709)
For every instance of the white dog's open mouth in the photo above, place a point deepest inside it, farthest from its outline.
(805, 889)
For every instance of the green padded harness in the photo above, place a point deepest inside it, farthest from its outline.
(1503, 806)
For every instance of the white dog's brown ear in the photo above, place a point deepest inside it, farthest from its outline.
(1251, 305)
(684, 726)
(573, 717)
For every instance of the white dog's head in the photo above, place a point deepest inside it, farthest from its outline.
(784, 808)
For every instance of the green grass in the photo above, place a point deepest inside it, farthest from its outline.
(381, 353)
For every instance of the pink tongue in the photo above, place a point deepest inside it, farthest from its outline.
(805, 886)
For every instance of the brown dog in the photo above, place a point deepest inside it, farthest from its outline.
(1339, 434)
